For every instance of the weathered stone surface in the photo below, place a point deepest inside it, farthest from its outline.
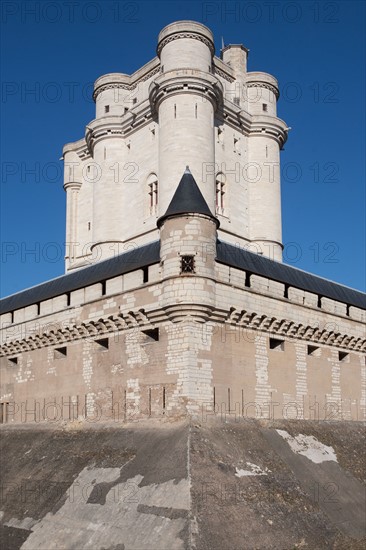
(213, 484)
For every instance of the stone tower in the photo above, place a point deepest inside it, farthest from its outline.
(185, 107)
(175, 302)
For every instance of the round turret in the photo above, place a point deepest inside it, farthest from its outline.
(185, 44)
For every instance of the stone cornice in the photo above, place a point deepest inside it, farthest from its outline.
(131, 85)
(118, 126)
(223, 70)
(266, 85)
(186, 34)
(185, 81)
(142, 319)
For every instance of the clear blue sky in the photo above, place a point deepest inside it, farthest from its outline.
(315, 49)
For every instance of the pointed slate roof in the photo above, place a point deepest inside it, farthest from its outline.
(187, 199)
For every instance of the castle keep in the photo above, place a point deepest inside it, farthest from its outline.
(175, 299)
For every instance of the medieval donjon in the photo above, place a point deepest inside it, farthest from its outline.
(175, 300)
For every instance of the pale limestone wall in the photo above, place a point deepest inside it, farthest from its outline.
(213, 348)
(184, 107)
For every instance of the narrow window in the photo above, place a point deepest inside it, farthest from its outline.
(265, 107)
(220, 191)
(4, 409)
(319, 304)
(247, 279)
(12, 316)
(275, 343)
(88, 169)
(153, 193)
(106, 109)
(104, 287)
(343, 356)
(38, 308)
(175, 111)
(214, 397)
(60, 353)
(149, 401)
(89, 226)
(145, 272)
(126, 109)
(347, 310)
(285, 293)
(314, 351)
(228, 399)
(187, 264)
(13, 360)
(164, 398)
(68, 298)
(266, 151)
(134, 101)
(237, 100)
(103, 343)
(195, 110)
(105, 153)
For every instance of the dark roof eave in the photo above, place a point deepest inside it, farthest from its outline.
(239, 258)
(118, 265)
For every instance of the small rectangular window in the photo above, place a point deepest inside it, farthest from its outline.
(237, 100)
(106, 109)
(60, 353)
(134, 101)
(102, 343)
(145, 272)
(276, 344)
(13, 360)
(187, 264)
(104, 288)
(265, 107)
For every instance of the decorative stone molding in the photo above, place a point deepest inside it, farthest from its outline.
(259, 84)
(147, 319)
(191, 35)
(224, 75)
(122, 86)
(185, 81)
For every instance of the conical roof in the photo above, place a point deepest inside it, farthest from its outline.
(187, 199)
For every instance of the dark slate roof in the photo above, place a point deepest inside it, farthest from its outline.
(187, 199)
(265, 267)
(107, 269)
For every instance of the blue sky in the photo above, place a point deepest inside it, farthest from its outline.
(53, 51)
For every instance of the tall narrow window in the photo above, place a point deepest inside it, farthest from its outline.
(195, 110)
(153, 191)
(220, 192)
(106, 109)
(175, 111)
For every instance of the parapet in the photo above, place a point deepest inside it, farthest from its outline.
(185, 29)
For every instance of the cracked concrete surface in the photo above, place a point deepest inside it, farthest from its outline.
(154, 486)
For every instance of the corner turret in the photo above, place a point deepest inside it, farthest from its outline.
(188, 233)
